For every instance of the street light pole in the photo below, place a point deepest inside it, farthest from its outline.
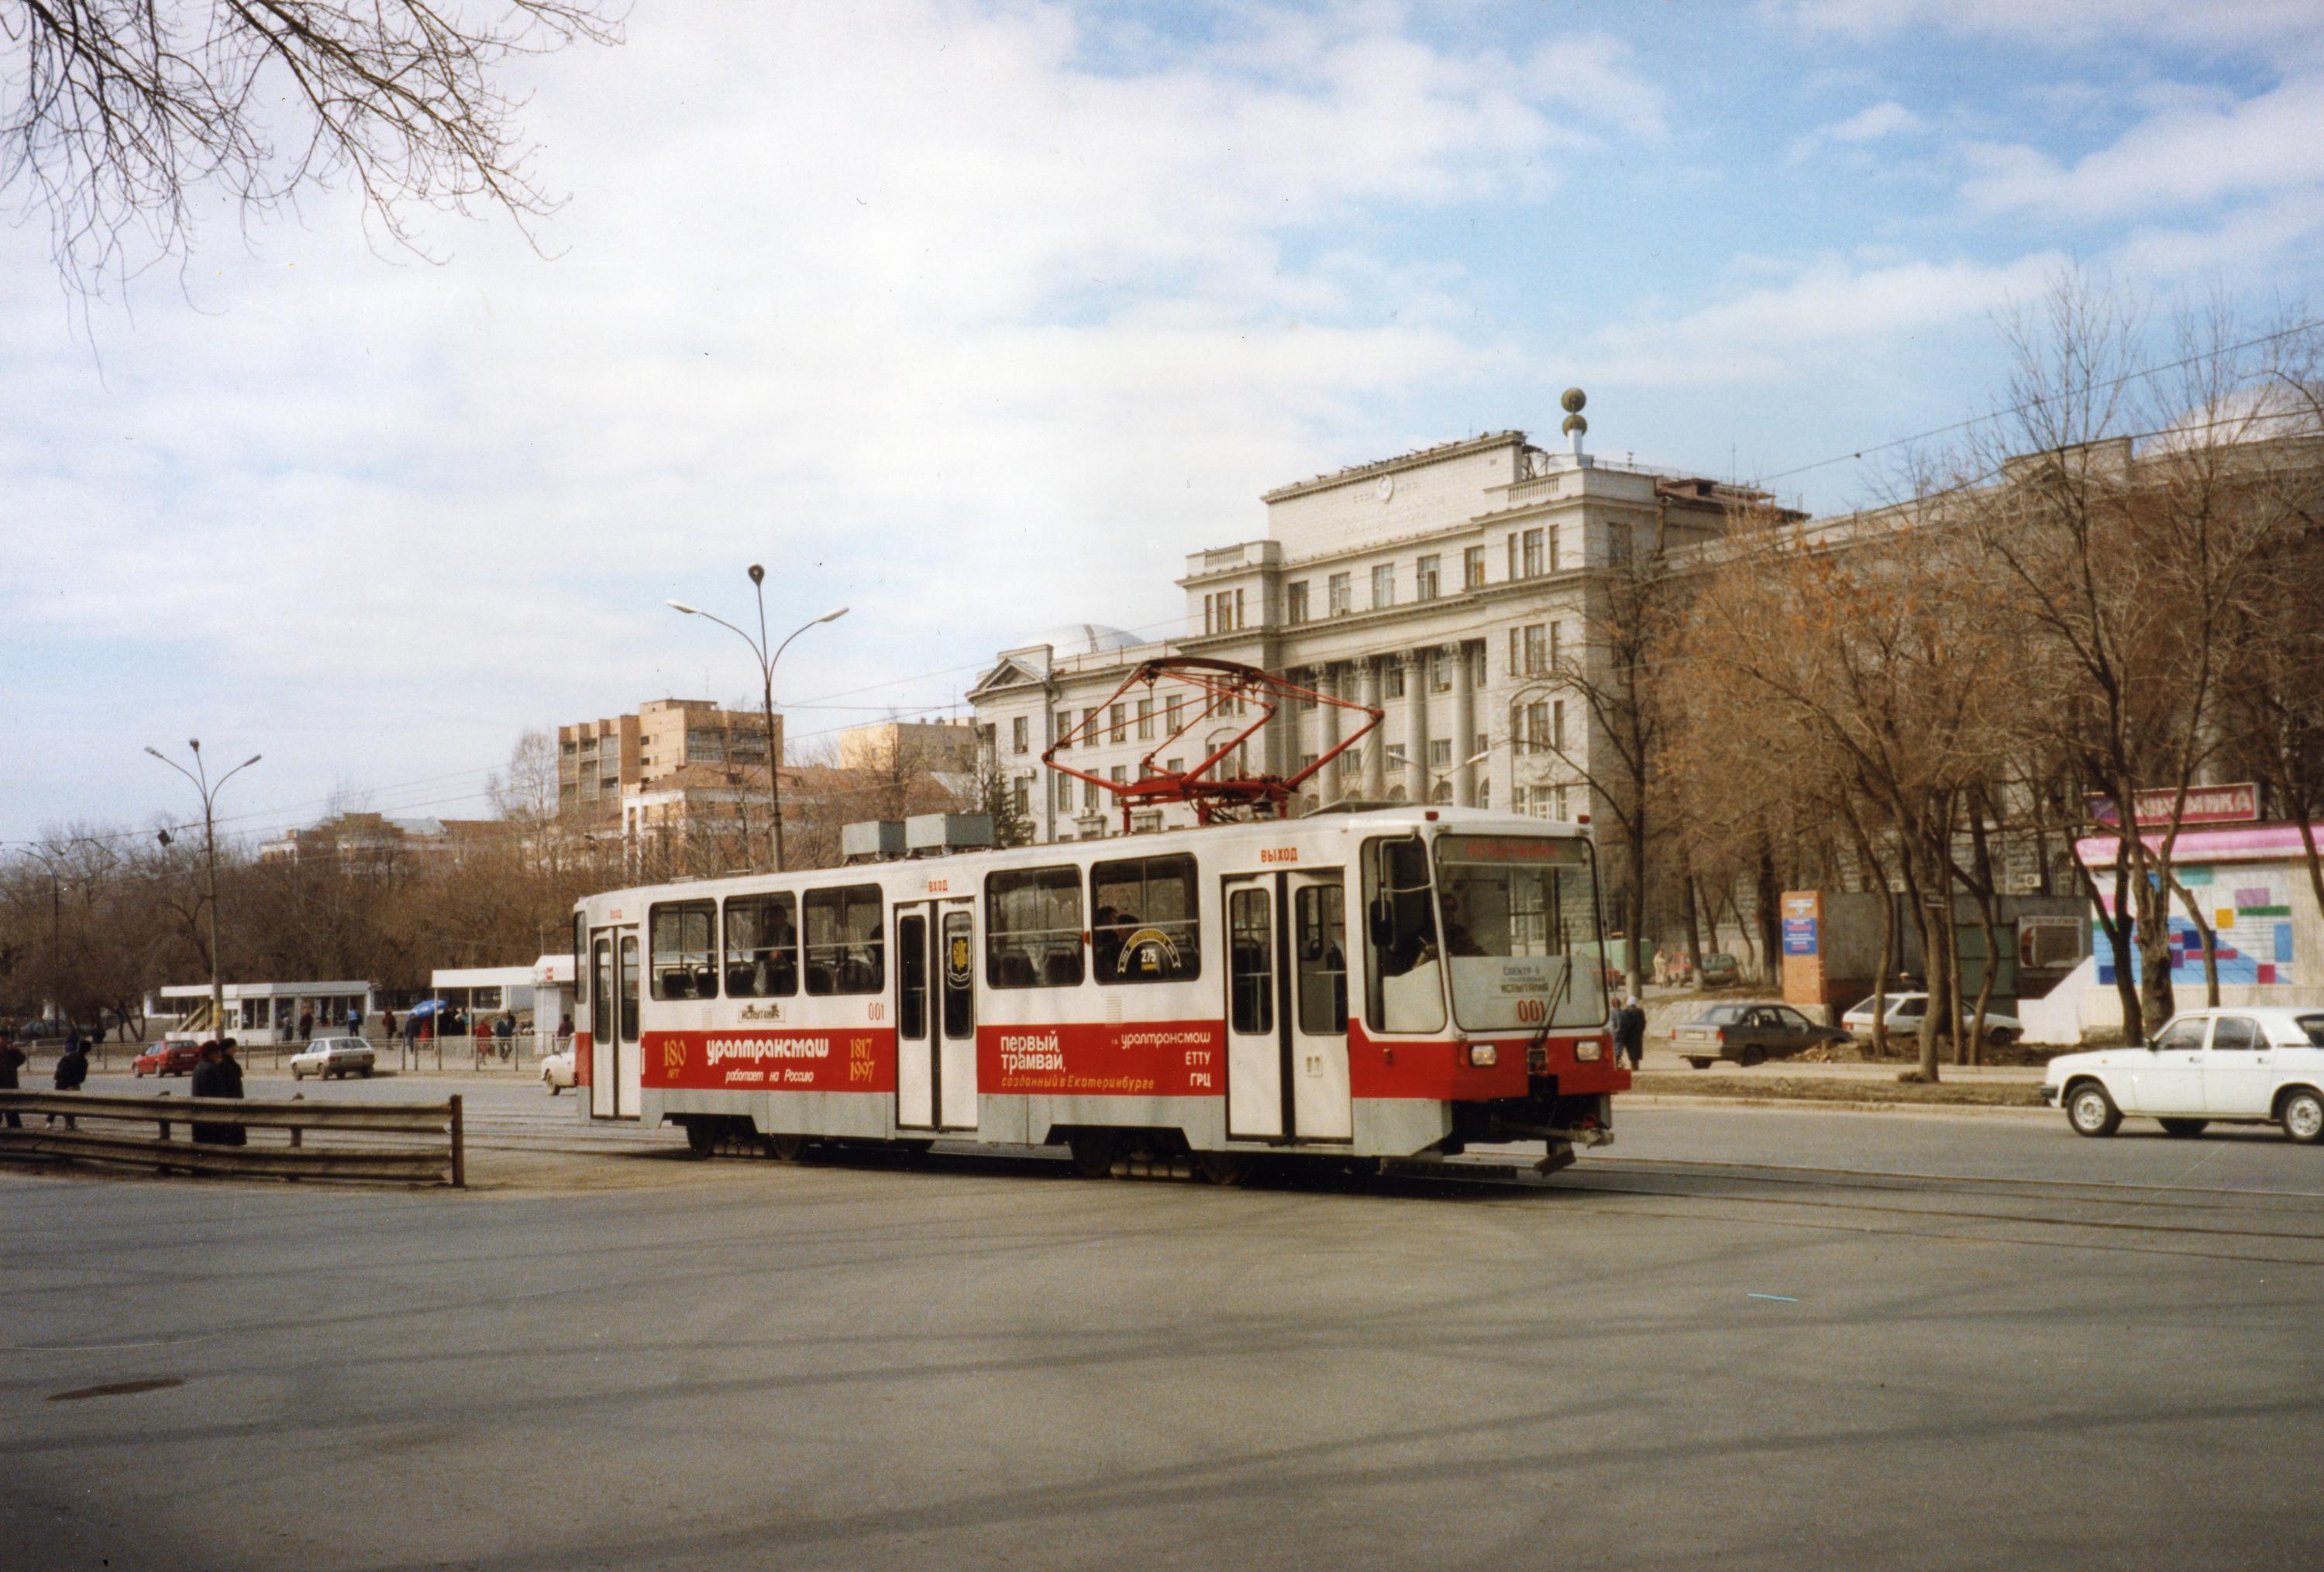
(766, 692)
(200, 776)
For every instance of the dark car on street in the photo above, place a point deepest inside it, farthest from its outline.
(1749, 1034)
(166, 1058)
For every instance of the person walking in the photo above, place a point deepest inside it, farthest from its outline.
(72, 1071)
(218, 1075)
(1630, 1032)
(355, 1021)
(504, 1029)
(306, 1025)
(12, 1059)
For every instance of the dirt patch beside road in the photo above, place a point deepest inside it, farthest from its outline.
(1828, 1090)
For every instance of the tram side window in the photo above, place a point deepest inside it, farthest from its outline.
(681, 949)
(1142, 922)
(763, 958)
(1033, 928)
(1404, 980)
(844, 949)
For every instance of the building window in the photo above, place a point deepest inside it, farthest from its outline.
(1426, 575)
(1064, 793)
(1033, 928)
(1619, 541)
(1352, 760)
(1238, 609)
(1395, 679)
(1305, 679)
(680, 933)
(1173, 766)
(1021, 733)
(1557, 724)
(1484, 791)
(1534, 567)
(1119, 775)
(1172, 712)
(1529, 650)
(1472, 569)
(1557, 796)
(1089, 796)
(1090, 737)
(1065, 726)
(1307, 761)
(1440, 752)
(1022, 797)
(1295, 601)
(1142, 921)
(1532, 726)
(1549, 549)
(761, 947)
(1341, 596)
(1396, 756)
(1121, 727)
(1440, 672)
(1145, 719)
(1383, 586)
(1555, 654)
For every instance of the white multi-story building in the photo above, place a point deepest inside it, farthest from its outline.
(1445, 586)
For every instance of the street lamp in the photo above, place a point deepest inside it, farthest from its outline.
(200, 776)
(766, 690)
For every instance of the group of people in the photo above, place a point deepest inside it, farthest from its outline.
(72, 1070)
(353, 1021)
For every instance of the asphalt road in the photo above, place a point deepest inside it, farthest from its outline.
(1744, 1338)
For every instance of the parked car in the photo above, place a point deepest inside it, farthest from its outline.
(1749, 1034)
(1718, 969)
(170, 1056)
(1905, 1011)
(2250, 1066)
(50, 1030)
(556, 1071)
(325, 1057)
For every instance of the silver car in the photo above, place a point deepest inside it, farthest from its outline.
(327, 1057)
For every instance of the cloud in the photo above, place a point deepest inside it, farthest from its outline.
(1877, 122)
(1831, 308)
(2058, 24)
(2182, 157)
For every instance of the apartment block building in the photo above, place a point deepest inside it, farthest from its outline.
(597, 759)
(1445, 586)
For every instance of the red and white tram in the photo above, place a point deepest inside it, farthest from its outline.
(1394, 983)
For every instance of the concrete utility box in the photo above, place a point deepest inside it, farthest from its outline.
(928, 834)
(873, 840)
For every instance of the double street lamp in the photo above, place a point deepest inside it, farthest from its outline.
(200, 776)
(766, 692)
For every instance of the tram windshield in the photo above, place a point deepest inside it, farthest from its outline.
(1520, 916)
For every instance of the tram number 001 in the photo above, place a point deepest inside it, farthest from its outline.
(1532, 1012)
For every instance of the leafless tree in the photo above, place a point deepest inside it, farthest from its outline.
(119, 114)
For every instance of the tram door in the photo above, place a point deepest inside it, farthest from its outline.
(615, 1063)
(936, 1018)
(1287, 1008)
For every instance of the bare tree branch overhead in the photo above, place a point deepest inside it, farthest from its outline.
(117, 117)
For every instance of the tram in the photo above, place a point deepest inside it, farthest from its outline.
(1394, 983)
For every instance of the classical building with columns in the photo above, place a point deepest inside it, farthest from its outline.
(1444, 586)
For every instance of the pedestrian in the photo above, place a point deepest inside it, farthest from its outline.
(72, 1070)
(505, 1030)
(1630, 1032)
(306, 1025)
(387, 1024)
(218, 1075)
(355, 1021)
(12, 1058)
(1662, 967)
(564, 1031)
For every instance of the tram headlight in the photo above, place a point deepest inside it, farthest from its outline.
(1483, 1056)
(1588, 1052)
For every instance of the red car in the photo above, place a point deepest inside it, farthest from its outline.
(167, 1059)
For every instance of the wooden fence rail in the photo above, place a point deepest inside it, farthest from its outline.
(441, 1157)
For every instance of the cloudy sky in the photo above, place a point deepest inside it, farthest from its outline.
(978, 317)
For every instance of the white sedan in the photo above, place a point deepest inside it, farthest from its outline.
(2254, 1066)
(1905, 1012)
(556, 1071)
(325, 1057)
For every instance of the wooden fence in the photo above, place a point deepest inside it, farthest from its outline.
(354, 1144)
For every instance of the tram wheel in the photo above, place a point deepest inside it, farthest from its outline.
(1221, 1168)
(1093, 1152)
(701, 1137)
(787, 1148)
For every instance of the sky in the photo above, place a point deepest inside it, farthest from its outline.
(977, 319)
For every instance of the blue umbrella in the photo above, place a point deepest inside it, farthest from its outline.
(425, 1008)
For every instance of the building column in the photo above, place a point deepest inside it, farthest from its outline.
(1376, 750)
(1464, 726)
(1416, 725)
(1327, 682)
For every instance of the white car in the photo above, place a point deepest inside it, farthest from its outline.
(325, 1057)
(1905, 1012)
(2254, 1066)
(556, 1071)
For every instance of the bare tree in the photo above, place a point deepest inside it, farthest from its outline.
(119, 112)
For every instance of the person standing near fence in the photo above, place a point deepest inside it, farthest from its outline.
(12, 1058)
(505, 1030)
(72, 1071)
(1630, 1032)
(218, 1076)
(306, 1025)
(355, 1021)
